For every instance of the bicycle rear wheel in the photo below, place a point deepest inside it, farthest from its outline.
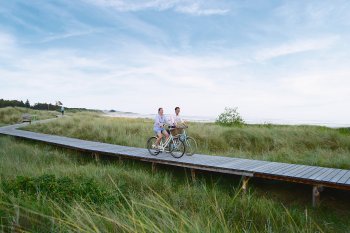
(151, 146)
(191, 146)
(177, 148)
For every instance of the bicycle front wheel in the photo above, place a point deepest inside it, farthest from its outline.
(191, 146)
(151, 146)
(177, 148)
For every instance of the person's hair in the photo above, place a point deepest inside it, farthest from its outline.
(177, 108)
(159, 109)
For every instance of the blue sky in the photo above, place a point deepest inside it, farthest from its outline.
(271, 59)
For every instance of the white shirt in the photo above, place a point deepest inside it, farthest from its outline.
(176, 119)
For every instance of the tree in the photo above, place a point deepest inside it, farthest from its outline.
(27, 104)
(230, 117)
(11, 103)
(58, 103)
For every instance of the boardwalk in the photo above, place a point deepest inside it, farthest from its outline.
(318, 177)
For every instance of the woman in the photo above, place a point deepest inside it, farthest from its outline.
(158, 128)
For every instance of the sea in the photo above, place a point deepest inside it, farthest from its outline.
(208, 119)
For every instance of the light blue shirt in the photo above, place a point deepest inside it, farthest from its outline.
(159, 121)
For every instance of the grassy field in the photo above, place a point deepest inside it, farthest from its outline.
(45, 189)
(309, 145)
(13, 115)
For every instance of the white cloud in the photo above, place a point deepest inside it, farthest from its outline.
(7, 42)
(307, 15)
(106, 80)
(328, 84)
(198, 7)
(67, 35)
(293, 47)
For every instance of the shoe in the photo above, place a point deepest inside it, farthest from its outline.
(154, 146)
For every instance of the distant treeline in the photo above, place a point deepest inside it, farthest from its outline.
(37, 106)
(26, 104)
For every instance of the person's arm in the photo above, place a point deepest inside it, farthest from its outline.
(183, 123)
(172, 121)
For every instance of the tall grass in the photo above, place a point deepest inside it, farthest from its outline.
(309, 145)
(43, 189)
(12, 115)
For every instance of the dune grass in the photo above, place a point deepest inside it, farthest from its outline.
(45, 189)
(310, 145)
(13, 115)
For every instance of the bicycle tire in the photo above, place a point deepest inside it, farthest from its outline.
(177, 148)
(191, 146)
(152, 141)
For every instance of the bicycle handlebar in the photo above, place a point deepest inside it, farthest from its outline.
(171, 127)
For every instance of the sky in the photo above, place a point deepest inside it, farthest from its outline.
(274, 60)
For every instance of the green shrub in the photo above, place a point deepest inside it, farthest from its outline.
(230, 117)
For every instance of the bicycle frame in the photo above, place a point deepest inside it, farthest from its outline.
(183, 134)
(166, 143)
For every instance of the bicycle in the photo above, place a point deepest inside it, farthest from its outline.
(190, 143)
(172, 145)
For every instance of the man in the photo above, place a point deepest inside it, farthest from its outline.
(158, 127)
(177, 122)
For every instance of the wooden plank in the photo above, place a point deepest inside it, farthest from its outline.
(254, 164)
(263, 167)
(331, 175)
(139, 154)
(284, 170)
(274, 167)
(307, 172)
(199, 161)
(210, 163)
(267, 167)
(296, 170)
(279, 169)
(318, 173)
(235, 164)
(258, 166)
(203, 156)
(325, 174)
(344, 178)
(220, 161)
(336, 178)
(214, 160)
(348, 181)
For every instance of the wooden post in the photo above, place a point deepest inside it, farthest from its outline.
(97, 157)
(120, 160)
(193, 174)
(245, 180)
(154, 167)
(316, 194)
